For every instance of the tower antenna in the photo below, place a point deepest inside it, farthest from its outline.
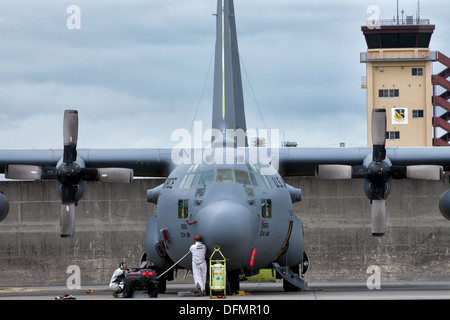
(397, 13)
(418, 11)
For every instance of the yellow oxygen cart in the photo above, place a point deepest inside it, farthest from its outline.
(217, 275)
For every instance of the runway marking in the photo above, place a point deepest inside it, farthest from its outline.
(18, 290)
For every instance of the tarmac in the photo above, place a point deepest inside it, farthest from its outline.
(260, 291)
(264, 300)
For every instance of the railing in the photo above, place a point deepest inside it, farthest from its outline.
(398, 55)
(409, 20)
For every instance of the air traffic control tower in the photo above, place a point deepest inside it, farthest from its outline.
(399, 79)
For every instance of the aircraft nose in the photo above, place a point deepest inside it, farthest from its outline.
(228, 225)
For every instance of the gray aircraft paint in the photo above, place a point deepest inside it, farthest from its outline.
(215, 214)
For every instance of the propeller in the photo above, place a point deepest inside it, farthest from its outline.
(70, 173)
(379, 172)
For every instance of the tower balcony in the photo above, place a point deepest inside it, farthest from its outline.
(397, 54)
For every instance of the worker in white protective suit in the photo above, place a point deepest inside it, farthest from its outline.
(118, 275)
(198, 250)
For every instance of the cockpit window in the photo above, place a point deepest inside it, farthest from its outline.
(266, 208)
(262, 181)
(224, 175)
(194, 178)
(183, 181)
(193, 168)
(259, 180)
(200, 192)
(253, 168)
(189, 181)
(207, 177)
(183, 205)
(241, 176)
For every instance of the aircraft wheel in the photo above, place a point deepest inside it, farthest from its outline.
(162, 282)
(127, 290)
(233, 282)
(287, 286)
(162, 285)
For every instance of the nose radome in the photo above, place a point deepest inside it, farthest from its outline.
(228, 225)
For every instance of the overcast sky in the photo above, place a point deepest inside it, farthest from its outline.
(139, 69)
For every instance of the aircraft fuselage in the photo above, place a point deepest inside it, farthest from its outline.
(247, 214)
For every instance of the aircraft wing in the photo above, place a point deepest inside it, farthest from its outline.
(71, 168)
(304, 161)
(292, 161)
(377, 165)
(144, 162)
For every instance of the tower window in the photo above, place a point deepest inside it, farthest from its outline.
(388, 93)
(417, 114)
(392, 135)
(417, 72)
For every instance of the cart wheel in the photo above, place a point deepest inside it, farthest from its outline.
(153, 291)
(127, 290)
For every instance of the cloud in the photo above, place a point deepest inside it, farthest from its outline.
(138, 70)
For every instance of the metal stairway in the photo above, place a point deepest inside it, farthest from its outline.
(442, 100)
(290, 276)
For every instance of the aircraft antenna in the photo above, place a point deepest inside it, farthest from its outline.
(253, 93)
(203, 90)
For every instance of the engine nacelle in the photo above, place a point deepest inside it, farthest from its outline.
(153, 194)
(296, 194)
(444, 204)
(80, 185)
(4, 207)
(368, 189)
(79, 193)
(368, 185)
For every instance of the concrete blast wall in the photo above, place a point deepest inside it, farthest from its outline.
(112, 218)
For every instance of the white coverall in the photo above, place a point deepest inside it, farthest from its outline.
(198, 251)
(117, 276)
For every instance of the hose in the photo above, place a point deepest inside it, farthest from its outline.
(173, 265)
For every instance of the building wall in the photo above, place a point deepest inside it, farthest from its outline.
(391, 69)
(111, 223)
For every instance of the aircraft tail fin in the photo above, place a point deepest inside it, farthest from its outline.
(228, 100)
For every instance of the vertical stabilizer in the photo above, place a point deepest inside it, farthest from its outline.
(228, 100)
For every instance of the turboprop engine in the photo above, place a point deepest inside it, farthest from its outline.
(444, 204)
(4, 207)
(378, 172)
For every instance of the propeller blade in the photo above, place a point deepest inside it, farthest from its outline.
(334, 172)
(70, 127)
(379, 127)
(378, 218)
(360, 172)
(70, 133)
(67, 221)
(89, 174)
(23, 172)
(115, 175)
(379, 134)
(424, 172)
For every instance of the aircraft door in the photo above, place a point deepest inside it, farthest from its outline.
(292, 254)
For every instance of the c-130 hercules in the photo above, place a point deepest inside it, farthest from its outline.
(232, 195)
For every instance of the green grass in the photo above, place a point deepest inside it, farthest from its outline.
(265, 275)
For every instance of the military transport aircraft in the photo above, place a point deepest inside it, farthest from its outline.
(231, 194)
